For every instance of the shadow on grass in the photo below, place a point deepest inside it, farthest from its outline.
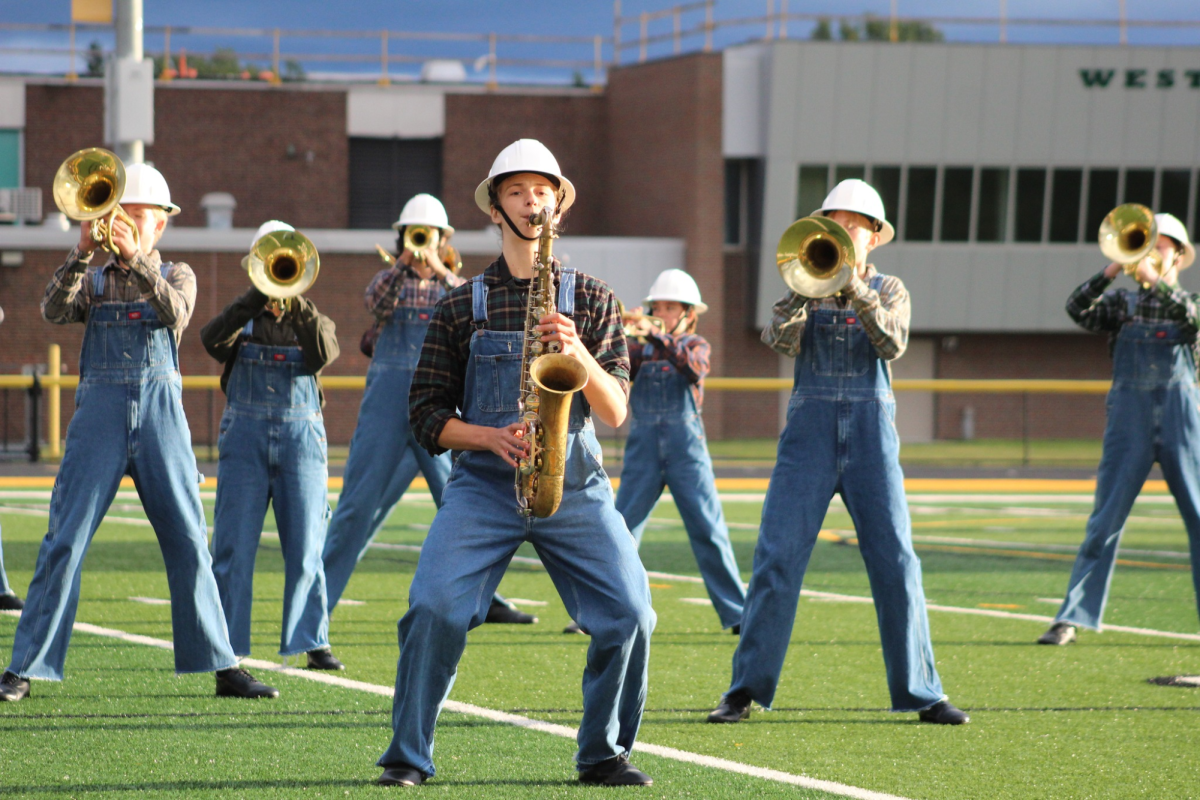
(192, 787)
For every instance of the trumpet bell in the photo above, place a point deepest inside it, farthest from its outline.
(815, 257)
(1128, 234)
(420, 237)
(283, 264)
(89, 184)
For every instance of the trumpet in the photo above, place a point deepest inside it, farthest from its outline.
(815, 257)
(88, 186)
(283, 265)
(418, 238)
(1129, 234)
(630, 320)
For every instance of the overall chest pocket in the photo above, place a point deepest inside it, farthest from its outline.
(497, 382)
(840, 350)
(130, 344)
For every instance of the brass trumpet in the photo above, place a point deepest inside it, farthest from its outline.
(418, 238)
(815, 257)
(1129, 234)
(283, 265)
(630, 320)
(88, 186)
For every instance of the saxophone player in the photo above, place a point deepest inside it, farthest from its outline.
(472, 360)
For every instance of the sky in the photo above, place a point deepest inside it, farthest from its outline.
(584, 18)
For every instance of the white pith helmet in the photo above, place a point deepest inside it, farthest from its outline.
(145, 185)
(861, 198)
(270, 226)
(677, 285)
(525, 155)
(424, 209)
(1169, 225)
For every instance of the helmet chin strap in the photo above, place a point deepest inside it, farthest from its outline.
(514, 227)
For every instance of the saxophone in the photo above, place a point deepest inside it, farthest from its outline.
(548, 380)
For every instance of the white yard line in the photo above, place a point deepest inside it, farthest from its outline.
(516, 720)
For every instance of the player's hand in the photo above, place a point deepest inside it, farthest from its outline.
(87, 245)
(1112, 270)
(507, 442)
(560, 328)
(123, 240)
(1146, 274)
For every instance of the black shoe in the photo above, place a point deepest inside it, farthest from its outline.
(615, 771)
(574, 628)
(944, 714)
(736, 630)
(13, 687)
(323, 658)
(401, 775)
(1059, 633)
(237, 682)
(10, 602)
(506, 613)
(734, 707)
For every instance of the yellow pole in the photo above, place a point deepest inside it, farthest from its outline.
(54, 401)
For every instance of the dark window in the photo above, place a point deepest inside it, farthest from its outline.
(1102, 198)
(956, 203)
(1066, 188)
(1031, 204)
(735, 200)
(1139, 187)
(813, 186)
(1173, 197)
(918, 216)
(993, 205)
(886, 181)
(385, 173)
(844, 172)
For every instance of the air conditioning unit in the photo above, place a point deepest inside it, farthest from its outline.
(21, 205)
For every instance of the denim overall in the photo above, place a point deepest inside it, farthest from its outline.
(666, 447)
(840, 438)
(585, 547)
(273, 449)
(128, 420)
(1153, 415)
(384, 454)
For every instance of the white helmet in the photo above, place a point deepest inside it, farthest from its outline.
(525, 155)
(424, 209)
(861, 198)
(677, 285)
(1169, 225)
(270, 226)
(146, 186)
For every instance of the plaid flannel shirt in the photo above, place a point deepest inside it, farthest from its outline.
(438, 382)
(885, 315)
(1096, 308)
(399, 286)
(687, 352)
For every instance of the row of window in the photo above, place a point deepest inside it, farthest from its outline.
(1006, 204)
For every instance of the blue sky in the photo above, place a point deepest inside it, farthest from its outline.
(578, 18)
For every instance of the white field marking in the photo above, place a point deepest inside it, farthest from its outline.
(696, 601)
(348, 602)
(516, 720)
(1049, 601)
(521, 601)
(151, 601)
(1061, 548)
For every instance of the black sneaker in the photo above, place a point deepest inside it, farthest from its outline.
(401, 775)
(323, 658)
(574, 628)
(1059, 633)
(507, 614)
(736, 630)
(944, 714)
(237, 682)
(734, 707)
(10, 602)
(13, 687)
(615, 771)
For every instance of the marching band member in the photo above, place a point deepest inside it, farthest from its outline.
(128, 420)
(1153, 414)
(840, 438)
(384, 454)
(273, 450)
(472, 361)
(666, 444)
(8, 598)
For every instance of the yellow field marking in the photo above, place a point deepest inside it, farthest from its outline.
(661, 586)
(1009, 606)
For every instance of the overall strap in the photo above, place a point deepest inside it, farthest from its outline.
(876, 282)
(248, 329)
(479, 293)
(1131, 299)
(566, 292)
(647, 351)
(98, 279)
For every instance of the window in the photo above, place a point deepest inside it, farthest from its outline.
(845, 172)
(10, 159)
(1173, 196)
(812, 188)
(1102, 198)
(918, 217)
(385, 173)
(1031, 204)
(1139, 187)
(957, 183)
(735, 201)
(886, 181)
(1066, 189)
(993, 206)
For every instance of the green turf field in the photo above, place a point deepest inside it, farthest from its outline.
(1078, 721)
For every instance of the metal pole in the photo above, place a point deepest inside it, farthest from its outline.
(642, 48)
(616, 32)
(676, 19)
(72, 75)
(276, 75)
(165, 75)
(491, 84)
(894, 31)
(770, 34)
(384, 80)
(31, 418)
(1124, 28)
(54, 402)
(130, 44)
(1003, 21)
(708, 26)
(783, 14)
(598, 60)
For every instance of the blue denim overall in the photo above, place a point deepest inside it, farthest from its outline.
(840, 438)
(666, 447)
(273, 450)
(384, 454)
(128, 420)
(585, 547)
(1153, 415)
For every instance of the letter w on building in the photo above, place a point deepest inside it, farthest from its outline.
(1096, 77)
